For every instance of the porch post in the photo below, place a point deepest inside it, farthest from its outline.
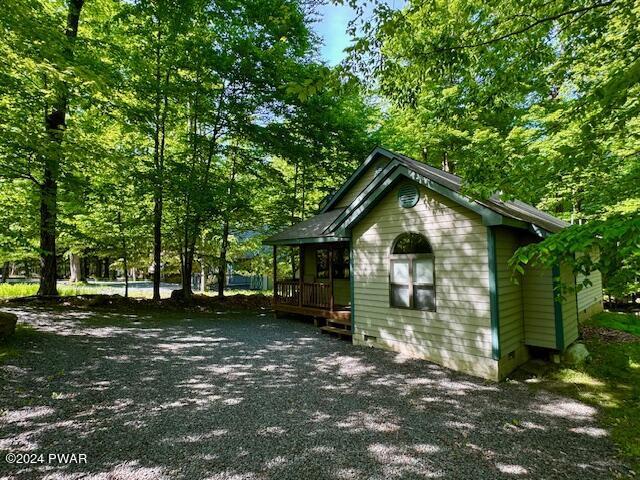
(275, 274)
(331, 277)
(301, 275)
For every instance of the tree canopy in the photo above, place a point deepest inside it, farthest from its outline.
(159, 133)
(536, 100)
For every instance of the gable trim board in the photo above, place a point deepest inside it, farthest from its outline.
(374, 155)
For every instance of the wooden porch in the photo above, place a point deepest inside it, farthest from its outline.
(308, 295)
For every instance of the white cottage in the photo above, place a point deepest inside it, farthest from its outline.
(399, 259)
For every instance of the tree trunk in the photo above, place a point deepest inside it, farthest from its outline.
(157, 244)
(293, 215)
(55, 123)
(161, 105)
(48, 219)
(75, 267)
(203, 280)
(222, 267)
(191, 231)
(84, 269)
(5, 272)
(123, 240)
(126, 275)
(187, 272)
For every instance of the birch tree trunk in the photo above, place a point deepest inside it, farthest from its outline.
(75, 267)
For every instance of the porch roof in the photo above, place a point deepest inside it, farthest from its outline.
(312, 230)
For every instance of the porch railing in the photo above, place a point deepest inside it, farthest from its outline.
(314, 294)
(287, 292)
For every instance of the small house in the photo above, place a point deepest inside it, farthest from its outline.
(398, 258)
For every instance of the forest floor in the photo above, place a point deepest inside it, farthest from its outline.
(241, 395)
(610, 381)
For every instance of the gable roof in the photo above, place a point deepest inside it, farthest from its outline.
(515, 209)
(332, 224)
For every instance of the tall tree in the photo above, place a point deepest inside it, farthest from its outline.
(55, 124)
(239, 56)
(152, 34)
(32, 36)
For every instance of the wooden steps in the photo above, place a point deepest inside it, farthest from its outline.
(337, 326)
(346, 322)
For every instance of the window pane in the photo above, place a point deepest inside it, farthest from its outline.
(341, 263)
(424, 297)
(400, 271)
(322, 263)
(423, 270)
(411, 243)
(399, 296)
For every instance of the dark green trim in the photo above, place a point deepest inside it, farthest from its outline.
(356, 211)
(304, 241)
(557, 308)
(352, 287)
(575, 290)
(493, 293)
(389, 171)
(489, 217)
(376, 190)
(375, 154)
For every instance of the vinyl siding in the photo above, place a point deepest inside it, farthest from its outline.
(590, 298)
(458, 334)
(539, 314)
(509, 294)
(569, 308)
(361, 183)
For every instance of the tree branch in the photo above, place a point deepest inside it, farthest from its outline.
(528, 27)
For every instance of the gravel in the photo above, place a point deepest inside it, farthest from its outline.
(244, 396)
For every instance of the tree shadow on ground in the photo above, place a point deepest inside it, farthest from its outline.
(244, 396)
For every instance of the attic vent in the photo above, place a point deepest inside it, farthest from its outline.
(408, 196)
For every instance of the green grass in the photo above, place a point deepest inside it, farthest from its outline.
(617, 321)
(611, 382)
(14, 290)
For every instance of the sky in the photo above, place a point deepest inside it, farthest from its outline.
(332, 28)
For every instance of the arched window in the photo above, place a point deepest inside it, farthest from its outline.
(411, 273)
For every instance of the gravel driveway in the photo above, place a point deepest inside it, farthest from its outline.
(244, 396)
